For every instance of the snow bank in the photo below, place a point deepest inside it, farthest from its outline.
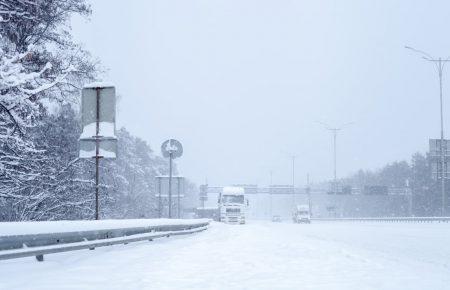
(24, 228)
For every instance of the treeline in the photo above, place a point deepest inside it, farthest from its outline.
(41, 73)
(415, 176)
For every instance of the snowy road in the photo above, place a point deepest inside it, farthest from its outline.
(259, 255)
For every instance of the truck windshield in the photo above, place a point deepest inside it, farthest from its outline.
(233, 199)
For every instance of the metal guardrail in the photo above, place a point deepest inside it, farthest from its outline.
(389, 219)
(38, 245)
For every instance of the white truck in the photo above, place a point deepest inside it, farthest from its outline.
(232, 205)
(302, 214)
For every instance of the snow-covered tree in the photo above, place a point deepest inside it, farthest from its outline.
(39, 62)
(130, 180)
(60, 180)
(41, 73)
(40, 68)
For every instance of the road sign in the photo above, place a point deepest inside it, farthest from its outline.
(98, 105)
(172, 147)
(436, 169)
(165, 193)
(203, 195)
(435, 148)
(435, 158)
(107, 148)
(98, 119)
(98, 138)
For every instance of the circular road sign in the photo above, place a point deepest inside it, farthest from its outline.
(173, 147)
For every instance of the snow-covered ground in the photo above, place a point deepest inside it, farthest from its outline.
(259, 255)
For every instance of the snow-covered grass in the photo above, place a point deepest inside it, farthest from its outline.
(22, 228)
(259, 255)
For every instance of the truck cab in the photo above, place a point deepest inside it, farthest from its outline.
(302, 214)
(232, 205)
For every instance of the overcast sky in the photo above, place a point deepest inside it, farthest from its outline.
(242, 84)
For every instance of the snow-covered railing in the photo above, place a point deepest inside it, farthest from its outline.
(388, 219)
(39, 244)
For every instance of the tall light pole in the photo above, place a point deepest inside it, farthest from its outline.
(439, 64)
(334, 130)
(292, 156)
(270, 193)
(308, 192)
(293, 179)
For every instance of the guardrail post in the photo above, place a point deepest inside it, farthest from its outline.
(40, 258)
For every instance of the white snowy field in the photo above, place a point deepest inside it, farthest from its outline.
(259, 255)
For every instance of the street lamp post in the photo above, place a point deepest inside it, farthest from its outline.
(334, 130)
(270, 193)
(292, 156)
(439, 64)
(293, 180)
(308, 192)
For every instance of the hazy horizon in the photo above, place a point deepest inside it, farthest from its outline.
(243, 84)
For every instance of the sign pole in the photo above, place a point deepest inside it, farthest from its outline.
(170, 184)
(178, 202)
(97, 159)
(159, 198)
(171, 149)
(97, 139)
(97, 132)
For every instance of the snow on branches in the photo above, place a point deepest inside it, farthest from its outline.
(40, 67)
(21, 84)
(10, 9)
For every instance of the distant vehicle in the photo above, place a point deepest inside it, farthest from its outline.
(232, 205)
(276, 219)
(302, 214)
